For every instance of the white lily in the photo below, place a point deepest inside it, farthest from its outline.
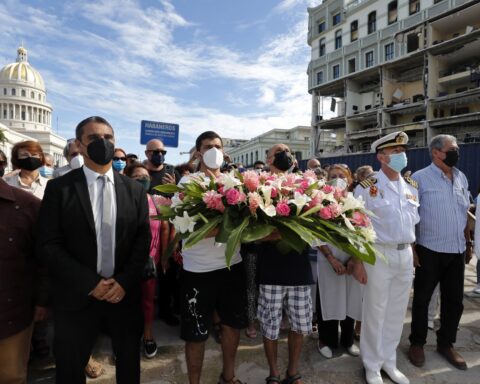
(351, 203)
(348, 223)
(369, 233)
(267, 194)
(269, 210)
(175, 201)
(300, 200)
(229, 181)
(183, 224)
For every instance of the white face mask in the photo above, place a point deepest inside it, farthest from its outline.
(76, 162)
(338, 182)
(213, 158)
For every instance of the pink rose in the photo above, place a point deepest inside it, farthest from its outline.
(304, 184)
(325, 213)
(234, 196)
(283, 209)
(328, 189)
(310, 174)
(360, 219)
(274, 193)
(251, 180)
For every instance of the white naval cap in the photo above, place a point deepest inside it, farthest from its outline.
(391, 140)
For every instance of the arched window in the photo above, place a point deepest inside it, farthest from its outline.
(14, 92)
(392, 12)
(354, 31)
(321, 47)
(23, 93)
(338, 39)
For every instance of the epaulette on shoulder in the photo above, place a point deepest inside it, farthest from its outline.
(368, 182)
(412, 182)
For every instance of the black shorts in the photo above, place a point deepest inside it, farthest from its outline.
(201, 294)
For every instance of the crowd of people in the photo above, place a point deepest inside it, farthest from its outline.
(80, 246)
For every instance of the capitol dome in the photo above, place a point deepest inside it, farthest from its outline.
(21, 72)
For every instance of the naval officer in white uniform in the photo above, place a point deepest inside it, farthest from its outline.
(394, 201)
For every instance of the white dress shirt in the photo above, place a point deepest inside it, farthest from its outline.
(37, 188)
(95, 191)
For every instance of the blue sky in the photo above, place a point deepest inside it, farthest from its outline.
(236, 67)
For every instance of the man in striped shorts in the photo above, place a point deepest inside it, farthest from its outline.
(285, 281)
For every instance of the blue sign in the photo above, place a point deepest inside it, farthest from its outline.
(166, 132)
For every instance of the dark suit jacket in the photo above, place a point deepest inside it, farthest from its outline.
(67, 239)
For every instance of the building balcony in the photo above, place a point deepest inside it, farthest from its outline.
(365, 116)
(408, 127)
(365, 133)
(406, 108)
(464, 119)
(470, 96)
(333, 123)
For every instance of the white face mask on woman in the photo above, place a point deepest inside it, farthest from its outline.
(213, 158)
(338, 182)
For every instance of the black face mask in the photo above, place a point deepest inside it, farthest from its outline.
(100, 151)
(2, 170)
(30, 163)
(283, 161)
(157, 159)
(451, 158)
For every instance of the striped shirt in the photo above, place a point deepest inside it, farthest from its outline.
(443, 209)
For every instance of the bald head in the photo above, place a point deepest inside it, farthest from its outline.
(277, 148)
(313, 163)
(155, 144)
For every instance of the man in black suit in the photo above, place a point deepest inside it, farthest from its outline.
(94, 237)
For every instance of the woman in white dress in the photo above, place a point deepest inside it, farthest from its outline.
(339, 299)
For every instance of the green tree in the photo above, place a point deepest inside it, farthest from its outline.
(2, 136)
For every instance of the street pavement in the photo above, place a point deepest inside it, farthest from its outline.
(169, 367)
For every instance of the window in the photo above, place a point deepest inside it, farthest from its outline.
(354, 31)
(351, 65)
(319, 77)
(412, 42)
(338, 39)
(14, 91)
(23, 115)
(32, 95)
(392, 12)
(372, 22)
(336, 71)
(321, 27)
(322, 49)
(413, 6)
(5, 91)
(369, 59)
(336, 19)
(256, 155)
(389, 52)
(23, 93)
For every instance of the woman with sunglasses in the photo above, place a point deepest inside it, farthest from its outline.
(339, 298)
(119, 160)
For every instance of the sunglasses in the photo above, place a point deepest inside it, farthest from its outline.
(3, 163)
(157, 151)
(115, 158)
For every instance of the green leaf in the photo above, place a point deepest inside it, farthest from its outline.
(234, 240)
(290, 241)
(311, 211)
(202, 232)
(256, 232)
(167, 188)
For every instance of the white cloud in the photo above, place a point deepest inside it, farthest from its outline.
(126, 63)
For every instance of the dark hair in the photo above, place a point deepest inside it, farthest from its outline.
(206, 135)
(3, 157)
(182, 168)
(91, 119)
(258, 162)
(128, 171)
(31, 146)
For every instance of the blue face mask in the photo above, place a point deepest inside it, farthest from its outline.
(398, 161)
(119, 165)
(46, 171)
